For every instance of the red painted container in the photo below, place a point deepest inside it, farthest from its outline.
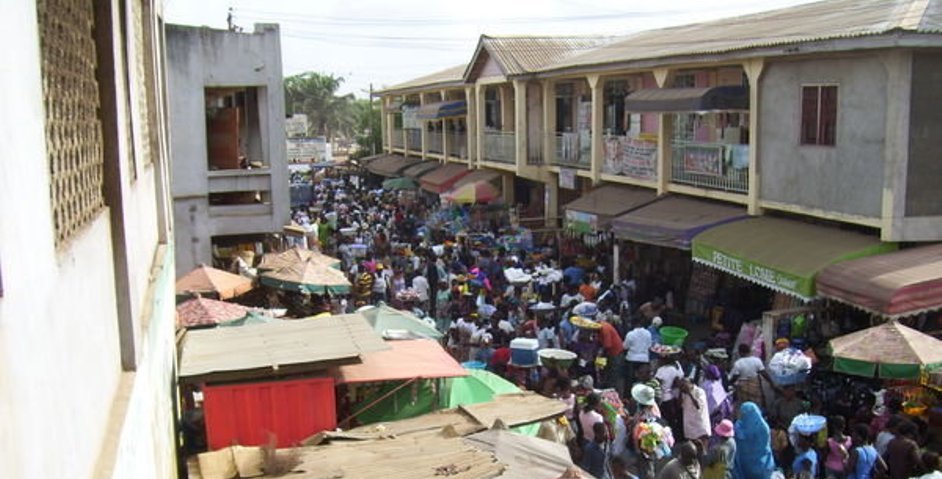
(247, 413)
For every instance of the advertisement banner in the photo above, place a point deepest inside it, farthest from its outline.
(581, 222)
(703, 159)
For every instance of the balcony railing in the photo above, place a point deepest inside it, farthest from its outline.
(715, 166)
(413, 140)
(433, 141)
(500, 146)
(630, 157)
(397, 138)
(457, 145)
(573, 151)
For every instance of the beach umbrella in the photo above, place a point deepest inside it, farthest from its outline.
(890, 351)
(402, 183)
(311, 276)
(208, 281)
(201, 311)
(385, 318)
(250, 318)
(477, 192)
(295, 255)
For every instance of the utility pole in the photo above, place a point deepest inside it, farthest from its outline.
(372, 133)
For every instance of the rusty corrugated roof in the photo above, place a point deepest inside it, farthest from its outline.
(518, 55)
(452, 76)
(827, 20)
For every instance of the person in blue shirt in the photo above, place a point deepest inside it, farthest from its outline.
(595, 453)
(806, 462)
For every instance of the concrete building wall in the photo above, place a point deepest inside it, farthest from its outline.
(846, 178)
(200, 58)
(67, 406)
(925, 144)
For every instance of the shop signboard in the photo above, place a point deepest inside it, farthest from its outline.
(303, 150)
(581, 222)
(296, 125)
(567, 178)
(773, 278)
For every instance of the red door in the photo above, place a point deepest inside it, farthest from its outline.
(248, 413)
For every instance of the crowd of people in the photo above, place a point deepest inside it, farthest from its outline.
(635, 406)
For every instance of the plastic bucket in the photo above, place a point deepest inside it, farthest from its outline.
(673, 336)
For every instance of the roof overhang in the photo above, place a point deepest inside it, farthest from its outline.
(670, 100)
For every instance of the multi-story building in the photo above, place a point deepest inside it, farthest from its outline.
(227, 111)
(825, 111)
(86, 257)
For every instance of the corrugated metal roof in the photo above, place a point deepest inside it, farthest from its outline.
(268, 349)
(518, 55)
(447, 77)
(819, 21)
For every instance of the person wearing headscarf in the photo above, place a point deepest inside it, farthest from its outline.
(754, 458)
(718, 401)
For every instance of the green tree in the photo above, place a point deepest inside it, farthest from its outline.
(369, 136)
(315, 94)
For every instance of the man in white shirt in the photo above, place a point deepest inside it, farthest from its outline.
(746, 374)
(637, 345)
(669, 375)
(421, 287)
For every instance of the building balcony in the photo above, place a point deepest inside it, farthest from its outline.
(500, 146)
(397, 141)
(573, 150)
(433, 141)
(414, 140)
(457, 145)
(715, 166)
(224, 181)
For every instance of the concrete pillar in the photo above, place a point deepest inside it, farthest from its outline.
(665, 131)
(753, 69)
(520, 123)
(471, 120)
(551, 206)
(616, 260)
(549, 122)
(444, 132)
(479, 119)
(507, 189)
(899, 69)
(424, 129)
(596, 85)
(506, 112)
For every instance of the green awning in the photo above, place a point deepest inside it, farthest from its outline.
(783, 255)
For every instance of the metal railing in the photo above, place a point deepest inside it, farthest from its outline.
(457, 145)
(397, 138)
(716, 166)
(433, 141)
(414, 140)
(571, 152)
(500, 146)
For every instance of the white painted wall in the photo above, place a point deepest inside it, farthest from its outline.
(62, 412)
(199, 58)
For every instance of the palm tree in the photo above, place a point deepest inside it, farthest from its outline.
(315, 94)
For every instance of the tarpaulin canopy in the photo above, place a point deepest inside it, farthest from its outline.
(890, 351)
(526, 457)
(420, 169)
(595, 210)
(442, 109)
(402, 183)
(386, 320)
(390, 165)
(892, 285)
(477, 387)
(443, 178)
(719, 98)
(310, 276)
(673, 221)
(213, 282)
(781, 254)
(415, 359)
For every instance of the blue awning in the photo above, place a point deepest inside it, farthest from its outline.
(443, 109)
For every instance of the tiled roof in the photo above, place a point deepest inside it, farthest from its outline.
(827, 20)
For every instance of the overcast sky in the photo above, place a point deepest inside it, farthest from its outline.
(385, 42)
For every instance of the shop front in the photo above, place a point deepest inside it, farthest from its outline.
(784, 256)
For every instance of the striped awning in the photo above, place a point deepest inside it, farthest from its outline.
(898, 284)
(443, 178)
(780, 254)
